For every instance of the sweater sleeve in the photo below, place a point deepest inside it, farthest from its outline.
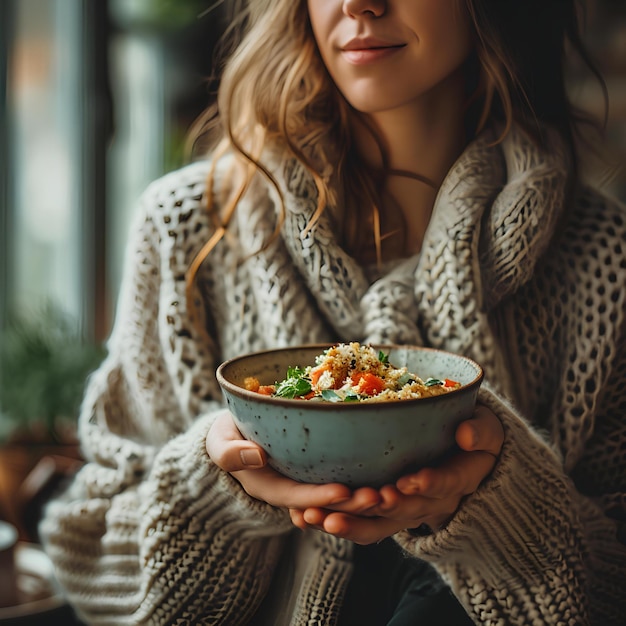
(527, 547)
(150, 531)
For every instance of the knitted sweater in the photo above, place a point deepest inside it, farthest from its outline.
(151, 532)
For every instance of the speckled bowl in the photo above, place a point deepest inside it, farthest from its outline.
(358, 444)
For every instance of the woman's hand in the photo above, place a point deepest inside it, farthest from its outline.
(247, 462)
(431, 496)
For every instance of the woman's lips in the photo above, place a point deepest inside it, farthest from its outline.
(368, 50)
(369, 55)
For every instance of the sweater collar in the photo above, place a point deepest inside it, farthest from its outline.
(493, 218)
(498, 209)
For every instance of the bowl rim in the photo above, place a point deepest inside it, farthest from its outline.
(246, 394)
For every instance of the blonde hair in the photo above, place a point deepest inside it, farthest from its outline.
(274, 92)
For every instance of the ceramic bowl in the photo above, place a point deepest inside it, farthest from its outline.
(354, 443)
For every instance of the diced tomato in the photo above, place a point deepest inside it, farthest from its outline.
(447, 382)
(266, 390)
(367, 383)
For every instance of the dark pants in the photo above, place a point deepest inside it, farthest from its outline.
(390, 589)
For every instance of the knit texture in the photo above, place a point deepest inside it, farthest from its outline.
(511, 274)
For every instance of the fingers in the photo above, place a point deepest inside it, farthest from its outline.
(482, 432)
(361, 530)
(414, 507)
(297, 519)
(361, 501)
(461, 476)
(480, 439)
(364, 530)
(247, 463)
(396, 512)
(228, 449)
(269, 486)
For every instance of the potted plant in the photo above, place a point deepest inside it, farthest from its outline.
(44, 364)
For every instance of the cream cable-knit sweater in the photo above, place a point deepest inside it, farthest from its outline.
(151, 532)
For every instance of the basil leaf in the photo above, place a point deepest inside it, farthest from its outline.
(295, 384)
(431, 382)
(382, 357)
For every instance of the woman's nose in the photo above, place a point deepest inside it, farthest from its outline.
(358, 8)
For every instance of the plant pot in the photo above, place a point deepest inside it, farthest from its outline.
(30, 473)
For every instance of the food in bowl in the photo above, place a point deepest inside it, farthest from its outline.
(352, 372)
(354, 443)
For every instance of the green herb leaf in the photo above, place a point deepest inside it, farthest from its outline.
(296, 384)
(382, 357)
(431, 382)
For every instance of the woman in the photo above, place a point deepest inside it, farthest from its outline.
(385, 171)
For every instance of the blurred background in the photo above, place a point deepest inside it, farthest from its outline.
(96, 99)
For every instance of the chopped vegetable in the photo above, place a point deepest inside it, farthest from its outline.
(405, 379)
(331, 396)
(367, 384)
(251, 383)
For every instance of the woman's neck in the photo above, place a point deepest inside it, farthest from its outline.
(421, 142)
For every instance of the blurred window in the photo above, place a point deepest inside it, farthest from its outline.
(52, 146)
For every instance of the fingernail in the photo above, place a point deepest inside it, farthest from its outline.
(251, 458)
(340, 499)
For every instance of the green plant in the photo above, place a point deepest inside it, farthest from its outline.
(175, 13)
(44, 364)
(162, 15)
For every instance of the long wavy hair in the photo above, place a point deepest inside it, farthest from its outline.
(274, 92)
